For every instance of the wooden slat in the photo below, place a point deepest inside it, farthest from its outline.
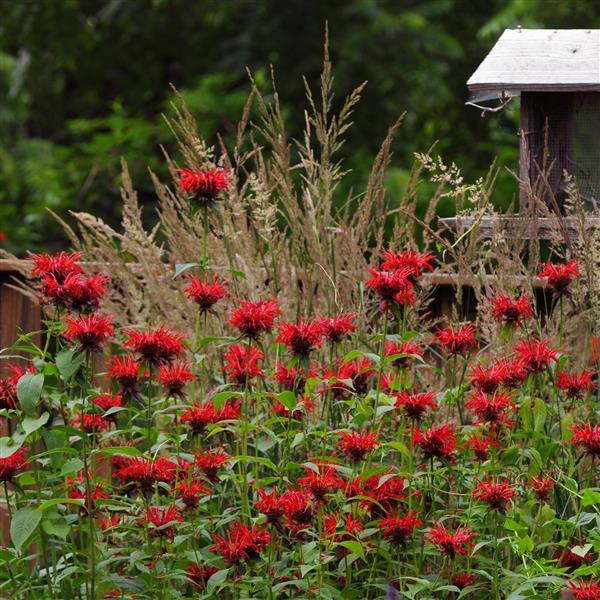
(562, 60)
(523, 227)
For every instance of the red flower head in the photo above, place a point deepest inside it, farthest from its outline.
(535, 355)
(77, 292)
(358, 372)
(156, 346)
(107, 401)
(414, 262)
(459, 340)
(411, 351)
(485, 378)
(351, 528)
(270, 506)
(241, 543)
(559, 277)
(109, 521)
(242, 363)
(190, 491)
(77, 491)
(200, 576)
(497, 494)
(416, 405)
(8, 386)
(254, 318)
(491, 409)
(481, 446)
(437, 442)
(11, 464)
(163, 518)
(58, 266)
(125, 370)
(90, 423)
(303, 407)
(174, 377)
(141, 474)
(542, 486)
(388, 284)
(204, 293)
(511, 373)
(297, 507)
(337, 328)
(357, 444)
(381, 494)
(585, 591)
(293, 378)
(399, 529)
(451, 544)
(206, 184)
(322, 482)
(91, 331)
(199, 416)
(511, 311)
(211, 461)
(570, 560)
(462, 580)
(576, 385)
(588, 437)
(302, 338)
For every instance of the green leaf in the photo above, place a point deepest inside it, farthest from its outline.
(29, 390)
(30, 424)
(23, 524)
(354, 547)
(68, 362)
(56, 526)
(216, 580)
(54, 501)
(288, 399)
(590, 497)
(8, 446)
(73, 465)
(183, 267)
(540, 413)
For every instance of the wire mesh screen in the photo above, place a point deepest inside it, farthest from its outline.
(584, 161)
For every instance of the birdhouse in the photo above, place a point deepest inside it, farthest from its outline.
(556, 73)
(556, 76)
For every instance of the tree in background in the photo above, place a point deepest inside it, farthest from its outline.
(84, 83)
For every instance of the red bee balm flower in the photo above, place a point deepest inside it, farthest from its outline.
(398, 529)
(141, 473)
(242, 363)
(241, 543)
(8, 387)
(415, 405)
(576, 385)
(491, 409)
(459, 340)
(156, 346)
(270, 506)
(90, 423)
(77, 292)
(542, 486)
(90, 331)
(254, 318)
(211, 461)
(200, 576)
(297, 507)
(325, 481)
(559, 277)
(412, 352)
(357, 444)
(437, 442)
(481, 447)
(199, 416)
(462, 580)
(485, 378)
(511, 311)
(163, 518)
(207, 184)
(337, 328)
(10, 465)
(585, 591)
(388, 284)
(302, 338)
(451, 544)
(205, 294)
(588, 437)
(535, 355)
(190, 492)
(125, 370)
(497, 494)
(174, 378)
(414, 262)
(59, 266)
